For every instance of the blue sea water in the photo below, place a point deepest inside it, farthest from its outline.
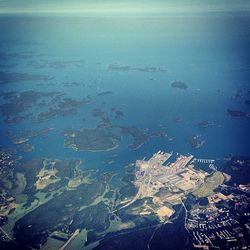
(208, 53)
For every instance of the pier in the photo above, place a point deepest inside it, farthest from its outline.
(206, 161)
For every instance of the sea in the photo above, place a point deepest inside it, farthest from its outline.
(209, 53)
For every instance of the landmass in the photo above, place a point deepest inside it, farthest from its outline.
(22, 137)
(119, 67)
(163, 196)
(26, 147)
(13, 77)
(165, 184)
(65, 106)
(179, 85)
(105, 93)
(140, 136)
(95, 139)
(205, 124)
(41, 64)
(196, 141)
(16, 107)
(237, 113)
(214, 213)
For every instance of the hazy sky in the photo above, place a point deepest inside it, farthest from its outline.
(123, 6)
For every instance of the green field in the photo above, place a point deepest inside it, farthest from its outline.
(211, 183)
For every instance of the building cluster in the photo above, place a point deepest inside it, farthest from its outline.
(7, 163)
(167, 182)
(6, 204)
(214, 226)
(170, 181)
(223, 222)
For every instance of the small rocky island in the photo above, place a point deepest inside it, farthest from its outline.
(237, 113)
(204, 124)
(196, 141)
(179, 85)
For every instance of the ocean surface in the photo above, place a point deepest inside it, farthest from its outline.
(209, 54)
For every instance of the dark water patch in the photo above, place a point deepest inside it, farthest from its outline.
(238, 168)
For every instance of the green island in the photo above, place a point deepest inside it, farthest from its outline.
(179, 85)
(93, 139)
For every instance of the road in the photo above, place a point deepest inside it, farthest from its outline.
(132, 201)
(152, 236)
(6, 234)
(70, 239)
(186, 214)
(140, 191)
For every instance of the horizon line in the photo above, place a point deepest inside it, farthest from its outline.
(121, 13)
